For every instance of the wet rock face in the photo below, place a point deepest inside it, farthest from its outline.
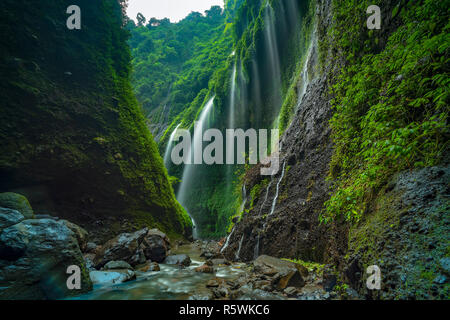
(134, 248)
(292, 229)
(156, 245)
(123, 247)
(34, 257)
(406, 234)
(9, 217)
(179, 259)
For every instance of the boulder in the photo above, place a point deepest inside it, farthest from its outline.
(123, 247)
(178, 259)
(17, 202)
(34, 257)
(148, 267)
(288, 274)
(204, 269)
(211, 250)
(117, 265)
(218, 262)
(91, 247)
(89, 260)
(112, 277)
(9, 217)
(155, 245)
(80, 233)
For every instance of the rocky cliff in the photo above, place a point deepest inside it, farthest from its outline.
(404, 229)
(73, 138)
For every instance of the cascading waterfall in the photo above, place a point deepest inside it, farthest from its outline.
(169, 147)
(267, 195)
(305, 71)
(227, 242)
(256, 250)
(272, 48)
(244, 198)
(231, 118)
(231, 123)
(189, 169)
(274, 203)
(238, 252)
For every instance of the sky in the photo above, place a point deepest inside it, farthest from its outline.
(175, 10)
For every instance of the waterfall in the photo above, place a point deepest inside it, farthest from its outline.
(188, 176)
(231, 125)
(305, 71)
(274, 203)
(265, 198)
(256, 250)
(274, 57)
(227, 242)
(168, 147)
(231, 119)
(244, 198)
(238, 252)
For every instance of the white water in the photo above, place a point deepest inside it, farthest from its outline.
(274, 203)
(256, 250)
(274, 56)
(265, 198)
(231, 119)
(169, 147)
(238, 252)
(244, 199)
(189, 169)
(227, 242)
(305, 72)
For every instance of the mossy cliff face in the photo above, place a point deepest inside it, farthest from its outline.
(73, 138)
(406, 234)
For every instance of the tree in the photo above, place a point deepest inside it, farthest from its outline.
(141, 19)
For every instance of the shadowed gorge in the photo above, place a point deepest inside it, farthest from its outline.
(121, 143)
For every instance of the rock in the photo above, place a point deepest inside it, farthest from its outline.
(89, 260)
(156, 245)
(34, 257)
(179, 259)
(444, 263)
(329, 279)
(80, 233)
(9, 217)
(91, 247)
(204, 269)
(218, 262)
(278, 264)
(17, 202)
(138, 258)
(211, 250)
(112, 277)
(288, 274)
(440, 279)
(123, 247)
(114, 265)
(213, 283)
(148, 267)
(290, 291)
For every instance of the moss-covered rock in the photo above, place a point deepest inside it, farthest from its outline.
(16, 202)
(406, 234)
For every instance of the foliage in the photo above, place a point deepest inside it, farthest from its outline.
(391, 103)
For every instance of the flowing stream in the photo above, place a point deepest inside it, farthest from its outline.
(170, 283)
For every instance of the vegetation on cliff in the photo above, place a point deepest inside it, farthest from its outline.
(71, 129)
